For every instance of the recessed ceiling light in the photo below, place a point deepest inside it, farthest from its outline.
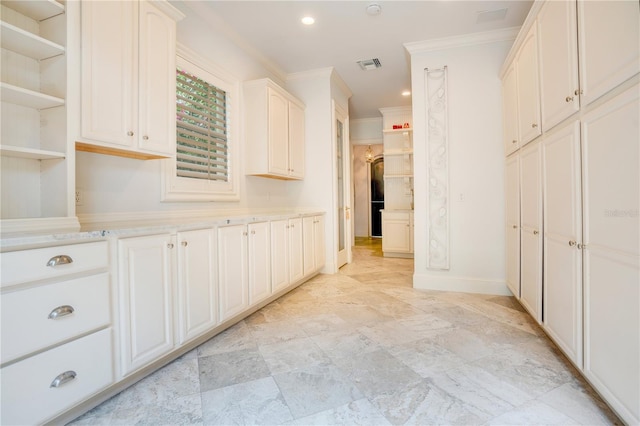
(308, 20)
(406, 93)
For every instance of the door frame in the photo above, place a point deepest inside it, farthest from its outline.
(345, 256)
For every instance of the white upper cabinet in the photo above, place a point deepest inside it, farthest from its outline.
(510, 110)
(128, 77)
(274, 126)
(528, 91)
(558, 39)
(609, 43)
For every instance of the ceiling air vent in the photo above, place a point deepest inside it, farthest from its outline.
(370, 64)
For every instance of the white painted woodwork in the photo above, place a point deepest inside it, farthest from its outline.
(510, 110)
(562, 219)
(531, 230)
(197, 283)
(27, 397)
(26, 326)
(296, 140)
(279, 254)
(275, 131)
(233, 278)
(259, 261)
(397, 233)
(296, 250)
(558, 47)
(128, 76)
(609, 40)
(512, 232)
(146, 267)
(611, 187)
(319, 244)
(308, 240)
(528, 90)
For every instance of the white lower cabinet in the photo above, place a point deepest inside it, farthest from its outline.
(279, 254)
(512, 232)
(259, 262)
(296, 250)
(313, 239)
(197, 283)
(45, 385)
(146, 268)
(562, 240)
(531, 228)
(232, 270)
(611, 187)
(397, 233)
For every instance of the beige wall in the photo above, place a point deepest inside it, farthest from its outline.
(361, 188)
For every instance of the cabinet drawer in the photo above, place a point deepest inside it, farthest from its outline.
(30, 265)
(27, 395)
(26, 326)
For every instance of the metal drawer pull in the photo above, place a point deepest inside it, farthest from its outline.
(572, 243)
(61, 311)
(63, 378)
(62, 259)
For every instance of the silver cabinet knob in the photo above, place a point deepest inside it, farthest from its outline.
(63, 378)
(534, 125)
(578, 92)
(514, 141)
(572, 243)
(145, 137)
(129, 133)
(569, 99)
(184, 244)
(170, 245)
(61, 311)
(515, 226)
(61, 259)
(535, 232)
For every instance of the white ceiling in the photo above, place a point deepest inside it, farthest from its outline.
(344, 34)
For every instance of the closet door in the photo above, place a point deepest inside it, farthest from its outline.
(611, 182)
(528, 89)
(512, 180)
(531, 227)
(562, 237)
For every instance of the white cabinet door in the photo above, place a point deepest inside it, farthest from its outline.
(278, 133)
(609, 33)
(232, 270)
(279, 254)
(512, 184)
(296, 141)
(318, 238)
(146, 268)
(558, 38)
(528, 92)
(396, 232)
(296, 250)
(611, 186)
(157, 80)
(510, 110)
(562, 235)
(531, 228)
(308, 231)
(259, 262)
(109, 52)
(197, 283)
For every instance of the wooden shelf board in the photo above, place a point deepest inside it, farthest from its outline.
(36, 9)
(28, 44)
(30, 153)
(97, 149)
(29, 98)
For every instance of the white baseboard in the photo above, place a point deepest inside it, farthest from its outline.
(460, 284)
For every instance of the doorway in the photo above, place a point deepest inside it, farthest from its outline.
(343, 186)
(377, 196)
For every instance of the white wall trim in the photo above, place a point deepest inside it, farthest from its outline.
(340, 83)
(505, 34)
(423, 281)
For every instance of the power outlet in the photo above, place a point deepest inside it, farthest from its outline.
(78, 197)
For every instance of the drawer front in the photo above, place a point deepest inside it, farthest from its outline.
(27, 395)
(30, 265)
(36, 318)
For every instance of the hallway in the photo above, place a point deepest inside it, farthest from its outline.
(363, 347)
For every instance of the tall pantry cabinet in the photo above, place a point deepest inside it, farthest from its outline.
(583, 170)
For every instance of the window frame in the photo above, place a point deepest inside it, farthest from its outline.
(177, 188)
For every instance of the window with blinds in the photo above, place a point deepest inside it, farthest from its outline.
(201, 127)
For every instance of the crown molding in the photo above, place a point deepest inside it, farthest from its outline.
(338, 81)
(524, 29)
(484, 37)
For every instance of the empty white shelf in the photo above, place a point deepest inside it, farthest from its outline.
(36, 9)
(28, 44)
(397, 130)
(29, 98)
(31, 153)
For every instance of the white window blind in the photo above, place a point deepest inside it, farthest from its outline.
(202, 145)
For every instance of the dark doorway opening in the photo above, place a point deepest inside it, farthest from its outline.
(377, 196)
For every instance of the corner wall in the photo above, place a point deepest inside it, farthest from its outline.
(476, 168)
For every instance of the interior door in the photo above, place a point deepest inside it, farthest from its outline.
(343, 197)
(377, 196)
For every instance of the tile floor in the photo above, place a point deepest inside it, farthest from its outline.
(363, 347)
